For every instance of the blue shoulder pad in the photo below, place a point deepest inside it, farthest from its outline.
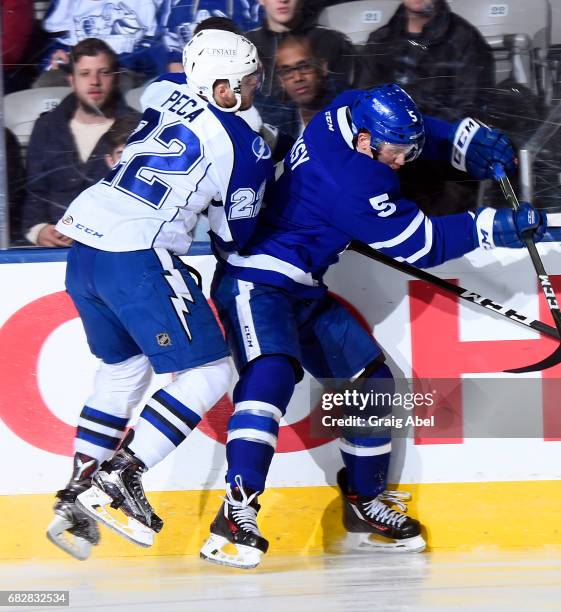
(180, 78)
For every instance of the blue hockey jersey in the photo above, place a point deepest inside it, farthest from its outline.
(329, 194)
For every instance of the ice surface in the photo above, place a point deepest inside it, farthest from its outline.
(481, 580)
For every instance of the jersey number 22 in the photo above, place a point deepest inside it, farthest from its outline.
(143, 175)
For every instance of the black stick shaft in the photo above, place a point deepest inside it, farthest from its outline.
(465, 294)
(543, 277)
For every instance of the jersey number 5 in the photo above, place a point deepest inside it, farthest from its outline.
(382, 205)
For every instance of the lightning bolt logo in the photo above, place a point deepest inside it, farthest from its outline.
(260, 149)
(180, 299)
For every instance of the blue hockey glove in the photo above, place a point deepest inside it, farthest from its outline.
(475, 148)
(506, 227)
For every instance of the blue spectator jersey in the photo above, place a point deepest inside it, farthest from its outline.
(132, 29)
(329, 194)
(185, 15)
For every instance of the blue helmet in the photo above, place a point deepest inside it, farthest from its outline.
(390, 115)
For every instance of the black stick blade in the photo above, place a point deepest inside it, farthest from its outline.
(548, 362)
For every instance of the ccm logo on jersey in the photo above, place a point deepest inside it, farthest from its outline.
(88, 230)
(329, 120)
(248, 338)
(462, 139)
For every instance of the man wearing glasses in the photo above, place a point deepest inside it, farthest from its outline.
(285, 17)
(306, 83)
(338, 184)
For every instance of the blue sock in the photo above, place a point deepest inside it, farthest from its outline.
(260, 400)
(98, 433)
(367, 459)
(164, 423)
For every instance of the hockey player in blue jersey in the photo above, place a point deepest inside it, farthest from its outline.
(338, 184)
(141, 308)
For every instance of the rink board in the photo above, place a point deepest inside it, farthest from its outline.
(468, 491)
(307, 520)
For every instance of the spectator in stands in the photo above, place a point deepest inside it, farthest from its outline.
(133, 30)
(284, 17)
(304, 79)
(437, 56)
(185, 15)
(65, 154)
(445, 65)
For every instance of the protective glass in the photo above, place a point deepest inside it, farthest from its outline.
(255, 79)
(303, 67)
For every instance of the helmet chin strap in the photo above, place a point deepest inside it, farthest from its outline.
(230, 109)
(235, 108)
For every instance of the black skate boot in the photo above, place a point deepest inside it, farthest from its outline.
(236, 523)
(71, 529)
(373, 523)
(118, 484)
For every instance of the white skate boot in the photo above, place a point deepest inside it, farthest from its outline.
(118, 484)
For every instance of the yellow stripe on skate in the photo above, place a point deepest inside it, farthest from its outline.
(307, 520)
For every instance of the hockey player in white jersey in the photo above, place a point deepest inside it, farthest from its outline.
(141, 307)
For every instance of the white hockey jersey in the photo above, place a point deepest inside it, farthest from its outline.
(184, 155)
(120, 24)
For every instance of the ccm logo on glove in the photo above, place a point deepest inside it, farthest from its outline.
(462, 139)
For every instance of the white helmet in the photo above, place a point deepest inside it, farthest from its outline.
(217, 54)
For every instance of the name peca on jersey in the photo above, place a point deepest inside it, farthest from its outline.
(184, 155)
(328, 194)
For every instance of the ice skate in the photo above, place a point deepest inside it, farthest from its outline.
(118, 485)
(71, 529)
(373, 524)
(235, 526)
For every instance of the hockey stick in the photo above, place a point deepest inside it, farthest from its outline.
(547, 289)
(465, 294)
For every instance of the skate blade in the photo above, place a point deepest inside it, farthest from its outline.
(369, 542)
(77, 547)
(213, 550)
(93, 502)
